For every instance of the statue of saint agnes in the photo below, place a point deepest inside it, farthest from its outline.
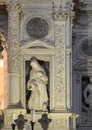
(37, 85)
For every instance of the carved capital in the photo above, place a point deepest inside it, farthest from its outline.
(61, 13)
(13, 5)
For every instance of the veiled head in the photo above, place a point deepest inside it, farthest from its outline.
(34, 63)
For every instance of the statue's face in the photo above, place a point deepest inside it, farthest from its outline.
(34, 64)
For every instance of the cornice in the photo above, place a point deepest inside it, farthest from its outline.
(85, 5)
(86, 1)
(83, 31)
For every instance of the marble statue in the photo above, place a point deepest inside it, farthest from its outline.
(88, 94)
(37, 85)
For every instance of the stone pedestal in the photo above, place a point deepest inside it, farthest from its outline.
(64, 121)
(10, 116)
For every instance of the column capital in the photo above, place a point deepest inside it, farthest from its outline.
(63, 11)
(13, 5)
(59, 15)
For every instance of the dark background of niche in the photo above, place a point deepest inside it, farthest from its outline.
(85, 82)
(45, 65)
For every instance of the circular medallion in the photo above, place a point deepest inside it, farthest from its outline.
(37, 27)
(87, 48)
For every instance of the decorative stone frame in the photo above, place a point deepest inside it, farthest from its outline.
(28, 17)
(40, 54)
(81, 42)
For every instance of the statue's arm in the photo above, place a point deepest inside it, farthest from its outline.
(32, 85)
(44, 77)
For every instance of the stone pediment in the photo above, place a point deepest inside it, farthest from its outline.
(84, 64)
(37, 45)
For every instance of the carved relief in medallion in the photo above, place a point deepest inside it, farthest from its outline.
(86, 48)
(37, 27)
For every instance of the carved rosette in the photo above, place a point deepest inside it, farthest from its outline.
(13, 7)
(60, 64)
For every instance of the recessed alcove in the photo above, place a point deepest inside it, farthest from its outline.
(45, 65)
(45, 55)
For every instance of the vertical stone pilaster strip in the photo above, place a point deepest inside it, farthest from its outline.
(62, 17)
(68, 78)
(13, 7)
(60, 65)
(69, 21)
(13, 37)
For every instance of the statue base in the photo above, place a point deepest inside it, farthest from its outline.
(64, 121)
(8, 117)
